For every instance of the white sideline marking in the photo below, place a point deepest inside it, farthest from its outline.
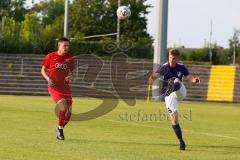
(189, 131)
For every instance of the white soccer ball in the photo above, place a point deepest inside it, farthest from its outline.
(123, 12)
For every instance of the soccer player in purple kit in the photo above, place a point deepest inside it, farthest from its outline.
(173, 89)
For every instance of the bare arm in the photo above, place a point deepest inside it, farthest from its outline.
(153, 77)
(45, 75)
(192, 79)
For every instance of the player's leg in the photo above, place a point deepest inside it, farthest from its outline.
(177, 84)
(174, 84)
(63, 110)
(177, 129)
(172, 106)
(181, 92)
(68, 110)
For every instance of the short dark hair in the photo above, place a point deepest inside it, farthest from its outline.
(63, 39)
(174, 52)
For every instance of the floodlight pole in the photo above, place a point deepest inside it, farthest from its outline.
(234, 51)
(66, 16)
(160, 49)
(118, 24)
(210, 44)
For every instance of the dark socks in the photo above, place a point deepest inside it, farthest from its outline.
(178, 132)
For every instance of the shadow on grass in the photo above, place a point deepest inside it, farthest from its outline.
(215, 146)
(199, 148)
(119, 142)
(217, 149)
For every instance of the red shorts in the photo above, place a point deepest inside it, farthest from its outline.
(57, 96)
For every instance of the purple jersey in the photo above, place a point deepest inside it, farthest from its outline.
(168, 72)
(178, 72)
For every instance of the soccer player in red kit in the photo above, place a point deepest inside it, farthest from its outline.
(56, 69)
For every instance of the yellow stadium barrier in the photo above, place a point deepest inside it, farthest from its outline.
(221, 83)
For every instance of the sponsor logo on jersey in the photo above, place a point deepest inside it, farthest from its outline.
(60, 66)
(179, 74)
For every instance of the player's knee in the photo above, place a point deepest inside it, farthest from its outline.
(63, 102)
(174, 118)
(177, 84)
(177, 80)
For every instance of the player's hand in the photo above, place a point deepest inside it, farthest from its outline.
(50, 82)
(69, 78)
(196, 80)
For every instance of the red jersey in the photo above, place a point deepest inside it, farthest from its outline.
(59, 68)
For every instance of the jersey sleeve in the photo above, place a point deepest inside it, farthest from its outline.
(185, 71)
(46, 62)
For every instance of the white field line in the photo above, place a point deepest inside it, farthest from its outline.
(188, 131)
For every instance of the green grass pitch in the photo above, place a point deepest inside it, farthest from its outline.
(27, 131)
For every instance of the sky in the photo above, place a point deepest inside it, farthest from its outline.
(189, 21)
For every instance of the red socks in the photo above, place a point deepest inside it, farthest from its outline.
(63, 117)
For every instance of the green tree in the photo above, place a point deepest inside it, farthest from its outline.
(88, 17)
(49, 35)
(30, 27)
(17, 9)
(234, 44)
(99, 17)
(4, 8)
(136, 26)
(37, 28)
(49, 11)
(50, 16)
(13, 8)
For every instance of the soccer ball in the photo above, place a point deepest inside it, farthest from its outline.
(123, 12)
